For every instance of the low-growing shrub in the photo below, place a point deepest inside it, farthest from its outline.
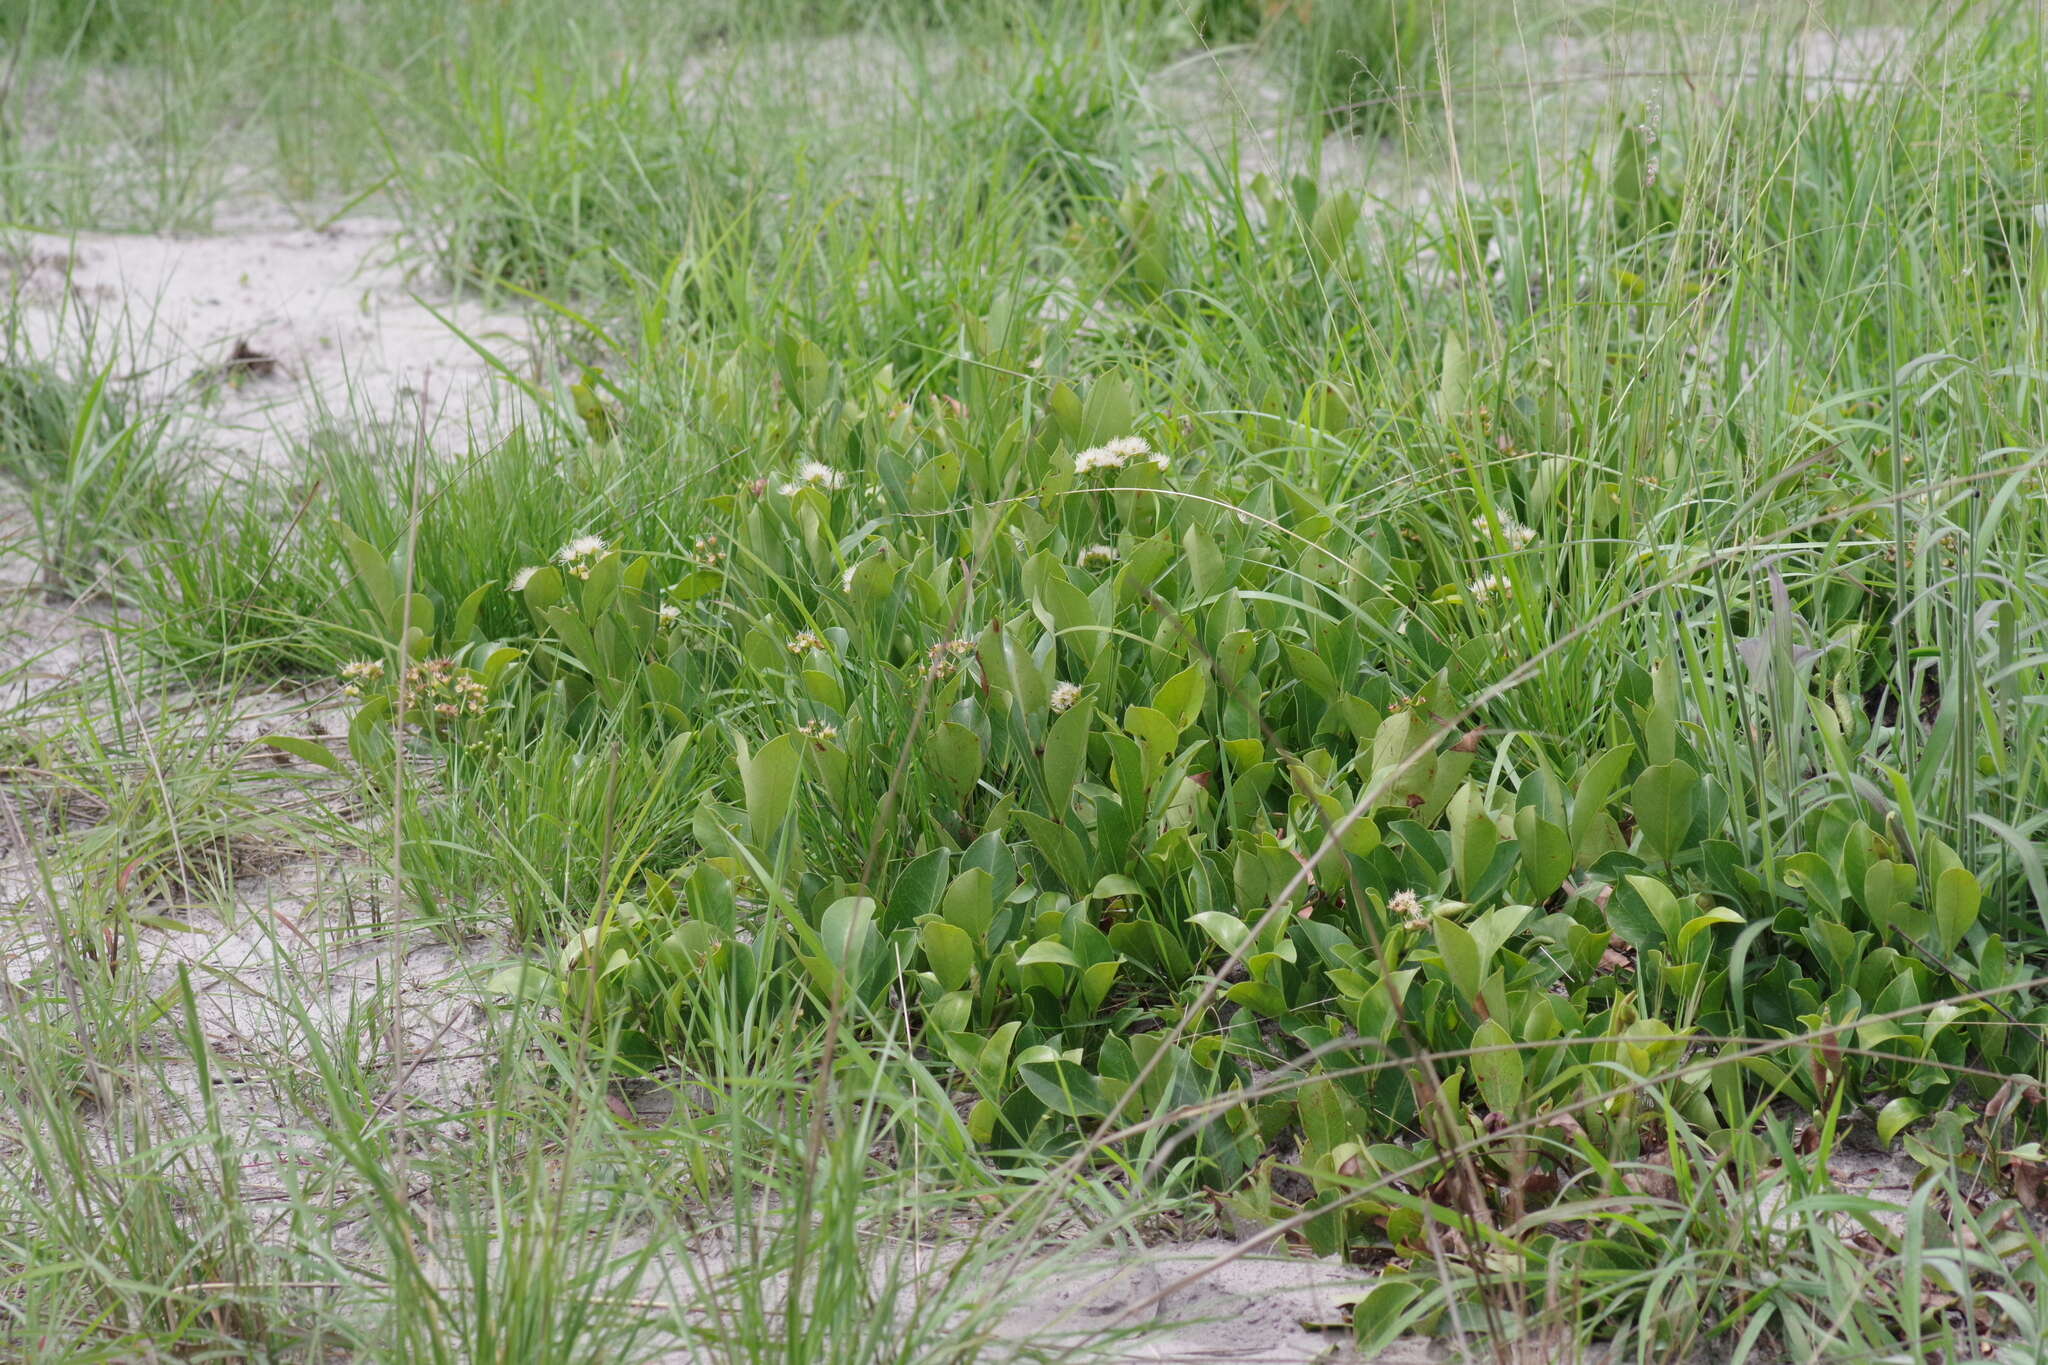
(1133, 799)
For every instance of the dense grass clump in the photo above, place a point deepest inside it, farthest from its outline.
(91, 472)
(1369, 67)
(112, 29)
(545, 180)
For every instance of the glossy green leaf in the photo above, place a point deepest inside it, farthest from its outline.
(1063, 1087)
(1497, 1066)
(1387, 1312)
(1463, 962)
(949, 951)
(1699, 924)
(372, 571)
(1027, 680)
(1545, 852)
(768, 776)
(1956, 900)
(1066, 752)
(1896, 1115)
(1204, 561)
(970, 902)
(1157, 739)
(1888, 890)
(1473, 838)
(932, 487)
(1664, 801)
(1227, 932)
(1596, 785)
(1180, 697)
(957, 758)
(847, 931)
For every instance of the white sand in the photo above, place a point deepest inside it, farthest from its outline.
(354, 336)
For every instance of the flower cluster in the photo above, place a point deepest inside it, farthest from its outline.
(1485, 588)
(580, 555)
(1407, 907)
(360, 674)
(704, 551)
(1512, 531)
(942, 660)
(1097, 556)
(804, 641)
(1064, 695)
(669, 613)
(438, 685)
(1117, 454)
(818, 731)
(812, 474)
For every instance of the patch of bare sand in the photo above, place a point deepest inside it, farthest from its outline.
(298, 939)
(1198, 1301)
(263, 335)
(1233, 105)
(44, 641)
(1587, 72)
(403, 1008)
(298, 954)
(1191, 1301)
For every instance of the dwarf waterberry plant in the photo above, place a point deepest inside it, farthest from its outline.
(1129, 798)
(1406, 633)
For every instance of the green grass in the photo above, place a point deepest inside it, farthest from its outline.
(1551, 760)
(89, 471)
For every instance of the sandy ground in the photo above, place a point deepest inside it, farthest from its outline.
(299, 914)
(43, 641)
(1199, 1301)
(1231, 105)
(265, 334)
(1589, 72)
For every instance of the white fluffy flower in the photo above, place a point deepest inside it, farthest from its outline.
(1064, 695)
(1097, 457)
(1127, 448)
(670, 613)
(1512, 531)
(1095, 556)
(812, 474)
(579, 556)
(522, 578)
(1406, 906)
(1485, 589)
